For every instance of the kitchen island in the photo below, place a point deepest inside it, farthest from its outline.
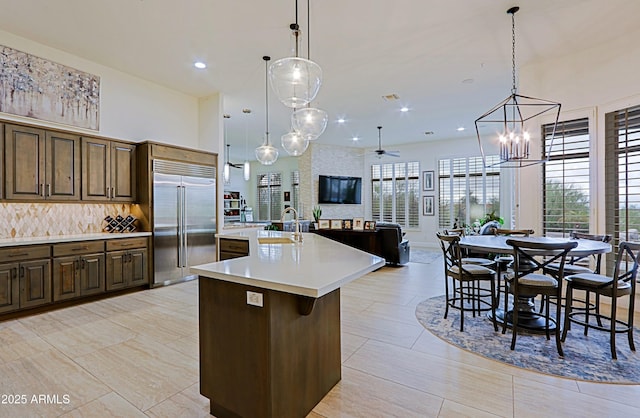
(270, 323)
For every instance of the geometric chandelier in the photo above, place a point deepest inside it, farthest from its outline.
(509, 118)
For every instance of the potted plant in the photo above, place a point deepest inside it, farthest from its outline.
(317, 213)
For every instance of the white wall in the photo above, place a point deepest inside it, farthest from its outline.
(130, 108)
(588, 83)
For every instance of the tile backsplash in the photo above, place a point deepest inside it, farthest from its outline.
(46, 219)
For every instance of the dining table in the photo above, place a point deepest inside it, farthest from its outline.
(528, 318)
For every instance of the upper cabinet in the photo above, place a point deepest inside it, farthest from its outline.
(41, 164)
(108, 170)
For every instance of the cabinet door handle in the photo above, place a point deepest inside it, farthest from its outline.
(49, 189)
(84, 263)
(14, 272)
(113, 192)
(130, 257)
(77, 264)
(19, 255)
(42, 189)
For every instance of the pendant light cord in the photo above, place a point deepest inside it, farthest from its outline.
(266, 94)
(513, 51)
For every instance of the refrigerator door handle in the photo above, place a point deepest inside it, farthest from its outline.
(184, 227)
(179, 221)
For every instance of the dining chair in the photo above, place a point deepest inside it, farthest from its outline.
(467, 292)
(505, 261)
(526, 283)
(621, 284)
(481, 261)
(580, 264)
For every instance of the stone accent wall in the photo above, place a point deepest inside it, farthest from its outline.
(330, 160)
(47, 219)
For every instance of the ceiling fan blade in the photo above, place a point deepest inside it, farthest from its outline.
(392, 153)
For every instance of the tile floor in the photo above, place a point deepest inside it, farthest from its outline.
(137, 355)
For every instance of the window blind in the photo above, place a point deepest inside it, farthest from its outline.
(395, 193)
(467, 190)
(566, 178)
(269, 196)
(622, 177)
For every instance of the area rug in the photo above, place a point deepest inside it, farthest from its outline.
(424, 256)
(585, 358)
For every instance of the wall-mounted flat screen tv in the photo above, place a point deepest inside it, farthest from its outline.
(339, 189)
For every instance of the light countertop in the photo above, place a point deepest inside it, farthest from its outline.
(53, 239)
(315, 267)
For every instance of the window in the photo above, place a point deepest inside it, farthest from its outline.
(622, 176)
(467, 190)
(295, 191)
(269, 196)
(566, 179)
(395, 192)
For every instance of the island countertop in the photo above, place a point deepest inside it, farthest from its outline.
(315, 267)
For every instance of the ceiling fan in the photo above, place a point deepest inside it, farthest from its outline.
(382, 152)
(234, 165)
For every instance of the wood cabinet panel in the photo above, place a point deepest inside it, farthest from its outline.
(62, 166)
(20, 253)
(127, 266)
(76, 248)
(24, 162)
(92, 274)
(123, 170)
(108, 170)
(65, 278)
(35, 283)
(96, 172)
(9, 289)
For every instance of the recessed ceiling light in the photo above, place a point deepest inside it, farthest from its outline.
(467, 81)
(404, 109)
(355, 138)
(341, 120)
(460, 129)
(200, 65)
(390, 97)
(428, 133)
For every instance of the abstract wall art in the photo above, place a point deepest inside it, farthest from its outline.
(38, 88)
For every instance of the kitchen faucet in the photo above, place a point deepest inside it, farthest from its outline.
(297, 234)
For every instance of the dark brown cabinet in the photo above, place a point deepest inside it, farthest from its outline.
(108, 170)
(25, 277)
(78, 269)
(232, 248)
(41, 164)
(127, 263)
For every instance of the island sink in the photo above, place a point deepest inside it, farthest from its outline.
(275, 240)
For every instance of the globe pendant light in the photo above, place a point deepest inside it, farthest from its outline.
(246, 166)
(309, 122)
(511, 115)
(294, 144)
(295, 80)
(266, 153)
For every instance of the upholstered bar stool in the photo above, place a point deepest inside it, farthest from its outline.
(486, 262)
(620, 286)
(577, 265)
(467, 292)
(526, 283)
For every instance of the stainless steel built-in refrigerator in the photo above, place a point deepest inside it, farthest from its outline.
(184, 219)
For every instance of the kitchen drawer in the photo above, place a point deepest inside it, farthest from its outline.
(75, 248)
(20, 253)
(126, 243)
(234, 246)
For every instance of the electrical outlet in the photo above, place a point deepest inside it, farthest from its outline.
(254, 298)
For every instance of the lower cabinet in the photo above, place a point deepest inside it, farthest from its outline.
(127, 267)
(35, 275)
(78, 269)
(25, 277)
(232, 248)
